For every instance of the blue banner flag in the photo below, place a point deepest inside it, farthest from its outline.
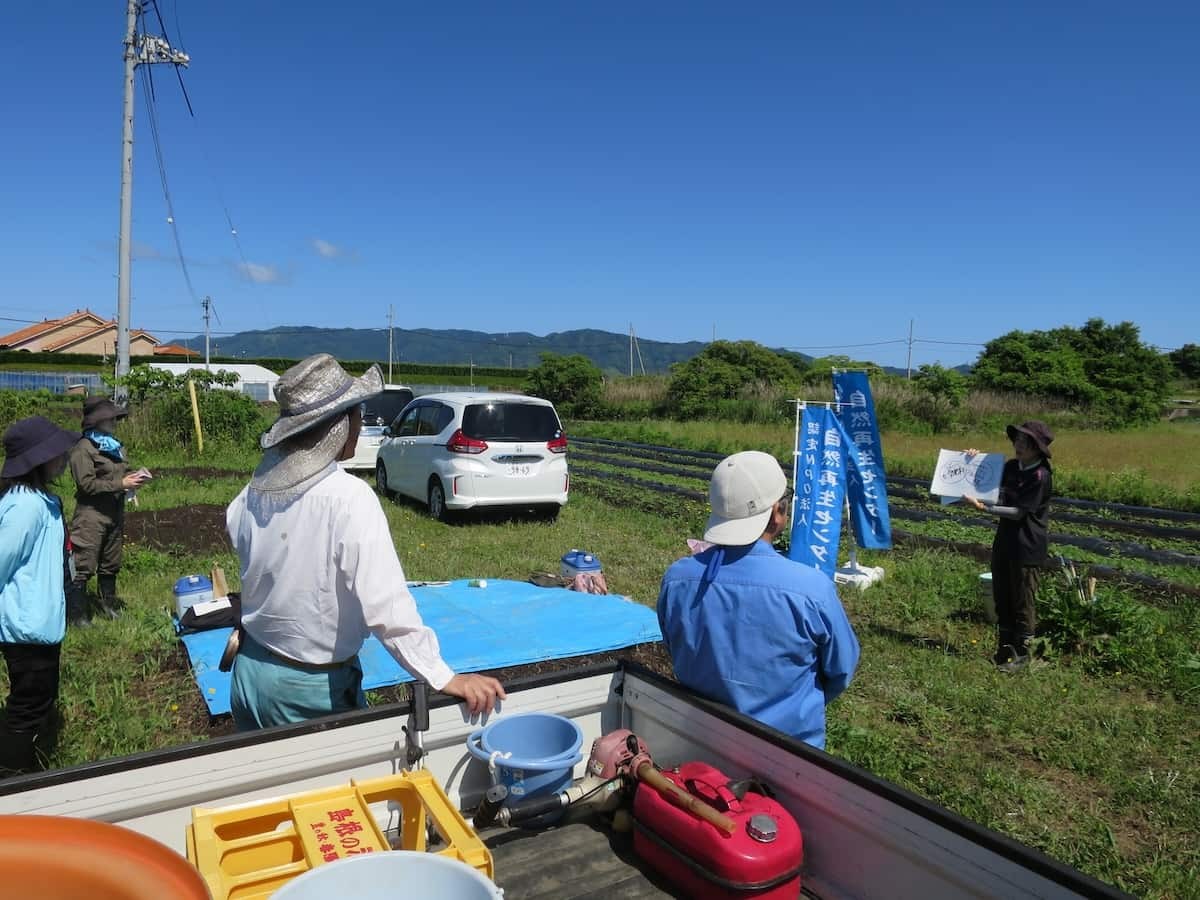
(820, 489)
(865, 479)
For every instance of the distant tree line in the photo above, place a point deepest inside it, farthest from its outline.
(1103, 371)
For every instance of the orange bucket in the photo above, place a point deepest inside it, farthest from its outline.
(61, 858)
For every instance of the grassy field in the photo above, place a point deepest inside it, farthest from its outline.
(1093, 765)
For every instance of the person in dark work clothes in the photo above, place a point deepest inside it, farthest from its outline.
(102, 478)
(1021, 544)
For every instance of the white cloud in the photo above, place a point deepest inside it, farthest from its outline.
(260, 273)
(326, 249)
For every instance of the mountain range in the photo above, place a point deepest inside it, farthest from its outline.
(513, 349)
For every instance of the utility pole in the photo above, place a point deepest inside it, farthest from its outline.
(207, 304)
(139, 50)
(390, 314)
(630, 349)
(908, 365)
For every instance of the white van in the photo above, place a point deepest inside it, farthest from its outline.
(457, 451)
(377, 413)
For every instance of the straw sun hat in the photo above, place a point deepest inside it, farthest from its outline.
(310, 393)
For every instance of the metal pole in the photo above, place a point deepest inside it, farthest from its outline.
(389, 344)
(207, 304)
(800, 404)
(124, 243)
(908, 365)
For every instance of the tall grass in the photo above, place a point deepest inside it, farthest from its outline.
(641, 389)
(901, 405)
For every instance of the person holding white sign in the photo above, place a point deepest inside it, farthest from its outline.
(1022, 539)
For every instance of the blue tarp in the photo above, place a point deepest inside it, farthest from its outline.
(507, 623)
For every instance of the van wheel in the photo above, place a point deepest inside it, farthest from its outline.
(549, 513)
(381, 484)
(437, 501)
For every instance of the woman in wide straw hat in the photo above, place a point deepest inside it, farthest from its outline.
(33, 543)
(1022, 539)
(102, 481)
(318, 566)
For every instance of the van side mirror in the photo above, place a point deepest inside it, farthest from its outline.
(387, 431)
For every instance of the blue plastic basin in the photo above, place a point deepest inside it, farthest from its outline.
(533, 753)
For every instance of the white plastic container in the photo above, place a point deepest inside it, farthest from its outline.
(578, 561)
(987, 598)
(391, 874)
(190, 590)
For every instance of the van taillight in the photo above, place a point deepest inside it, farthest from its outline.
(461, 443)
(558, 445)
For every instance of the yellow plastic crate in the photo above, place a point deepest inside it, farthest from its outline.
(249, 851)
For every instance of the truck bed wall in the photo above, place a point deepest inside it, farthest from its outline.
(863, 837)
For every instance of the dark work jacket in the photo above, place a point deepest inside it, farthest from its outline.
(98, 489)
(1024, 540)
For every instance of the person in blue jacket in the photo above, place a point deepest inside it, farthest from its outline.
(33, 541)
(745, 625)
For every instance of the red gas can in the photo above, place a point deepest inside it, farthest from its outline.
(761, 859)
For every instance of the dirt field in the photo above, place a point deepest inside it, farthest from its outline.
(196, 529)
(197, 472)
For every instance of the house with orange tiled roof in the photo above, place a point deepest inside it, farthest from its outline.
(81, 332)
(175, 350)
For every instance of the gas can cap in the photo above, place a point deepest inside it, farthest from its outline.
(763, 828)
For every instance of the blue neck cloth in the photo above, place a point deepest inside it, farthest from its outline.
(105, 443)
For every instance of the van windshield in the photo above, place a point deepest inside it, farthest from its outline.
(510, 421)
(384, 408)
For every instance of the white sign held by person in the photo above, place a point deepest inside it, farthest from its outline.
(959, 474)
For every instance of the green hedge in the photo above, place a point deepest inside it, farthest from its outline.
(400, 371)
(57, 360)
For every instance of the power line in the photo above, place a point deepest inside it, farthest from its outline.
(951, 343)
(847, 346)
(152, 115)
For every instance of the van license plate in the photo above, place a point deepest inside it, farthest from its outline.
(520, 470)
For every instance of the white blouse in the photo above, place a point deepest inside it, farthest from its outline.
(320, 572)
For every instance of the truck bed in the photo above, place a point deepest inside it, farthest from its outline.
(863, 837)
(579, 858)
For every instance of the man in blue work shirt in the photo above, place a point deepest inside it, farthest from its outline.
(747, 626)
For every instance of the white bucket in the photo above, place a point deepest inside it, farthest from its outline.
(987, 598)
(389, 875)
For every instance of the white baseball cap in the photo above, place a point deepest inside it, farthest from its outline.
(744, 489)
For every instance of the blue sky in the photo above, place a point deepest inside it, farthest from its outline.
(800, 175)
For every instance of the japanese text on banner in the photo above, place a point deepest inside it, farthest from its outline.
(866, 482)
(820, 490)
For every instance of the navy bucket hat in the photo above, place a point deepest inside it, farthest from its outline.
(1036, 431)
(29, 443)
